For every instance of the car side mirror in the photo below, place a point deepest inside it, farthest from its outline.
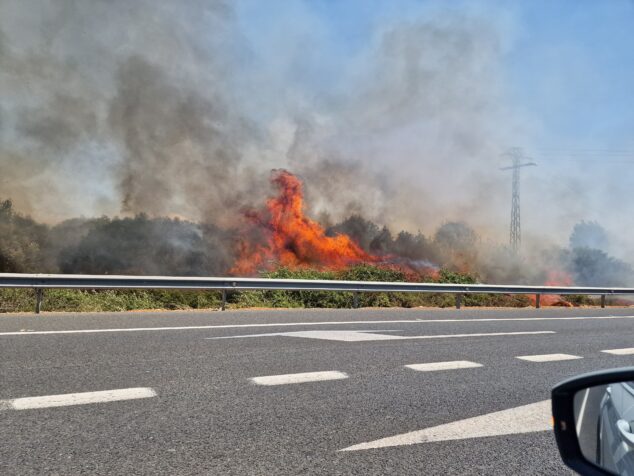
(593, 418)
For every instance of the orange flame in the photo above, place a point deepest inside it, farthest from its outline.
(290, 238)
(555, 278)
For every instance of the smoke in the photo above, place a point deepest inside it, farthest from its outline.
(119, 107)
(181, 109)
(180, 150)
(148, 107)
(414, 136)
(145, 246)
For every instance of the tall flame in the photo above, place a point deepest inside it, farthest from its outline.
(290, 238)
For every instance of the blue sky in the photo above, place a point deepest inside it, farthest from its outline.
(573, 66)
(569, 64)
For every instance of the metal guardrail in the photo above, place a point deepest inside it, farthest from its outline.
(40, 282)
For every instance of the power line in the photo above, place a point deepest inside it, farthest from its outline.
(604, 156)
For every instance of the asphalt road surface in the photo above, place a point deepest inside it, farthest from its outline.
(295, 392)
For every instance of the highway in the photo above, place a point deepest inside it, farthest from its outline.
(295, 391)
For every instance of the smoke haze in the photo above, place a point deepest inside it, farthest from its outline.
(181, 109)
(118, 107)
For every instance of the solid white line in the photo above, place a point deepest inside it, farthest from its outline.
(582, 410)
(299, 378)
(434, 366)
(548, 357)
(84, 398)
(300, 324)
(624, 351)
(525, 419)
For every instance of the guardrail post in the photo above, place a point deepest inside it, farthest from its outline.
(538, 301)
(355, 300)
(224, 300)
(458, 301)
(602, 300)
(39, 295)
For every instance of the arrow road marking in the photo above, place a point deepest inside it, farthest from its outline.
(525, 419)
(357, 336)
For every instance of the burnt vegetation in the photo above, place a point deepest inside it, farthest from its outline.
(147, 245)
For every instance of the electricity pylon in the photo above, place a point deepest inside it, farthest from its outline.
(517, 156)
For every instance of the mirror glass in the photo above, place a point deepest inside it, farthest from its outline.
(604, 420)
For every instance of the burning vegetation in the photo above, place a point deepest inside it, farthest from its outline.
(281, 235)
(156, 114)
(280, 240)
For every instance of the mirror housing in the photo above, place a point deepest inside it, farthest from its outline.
(562, 397)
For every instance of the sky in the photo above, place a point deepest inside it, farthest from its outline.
(568, 70)
(568, 64)
(400, 110)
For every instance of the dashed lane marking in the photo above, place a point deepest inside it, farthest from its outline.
(299, 378)
(435, 366)
(624, 351)
(69, 399)
(548, 357)
(525, 419)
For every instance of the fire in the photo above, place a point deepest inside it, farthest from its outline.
(556, 278)
(291, 239)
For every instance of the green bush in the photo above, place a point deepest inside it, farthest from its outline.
(446, 276)
(329, 299)
(23, 300)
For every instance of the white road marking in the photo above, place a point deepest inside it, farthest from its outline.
(301, 324)
(582, 411)
(64, 400)
(548, 357)
(434, 366)
(299, 378)
(356, 336)
(624, 351)
(343, 336)
(525, 419)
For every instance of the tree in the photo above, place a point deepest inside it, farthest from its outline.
(148, 246)
(21, 242)
(593, 267)
(414, 247)
(456, 236)
(588, 235)
(382, 243)
(456, 242)
(361, 231)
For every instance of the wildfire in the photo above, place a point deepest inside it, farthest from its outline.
(556, 278)
(287, 237)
